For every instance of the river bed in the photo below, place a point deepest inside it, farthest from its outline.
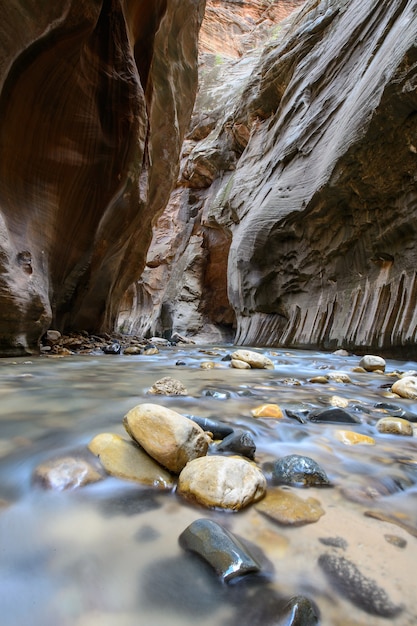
(108, 554)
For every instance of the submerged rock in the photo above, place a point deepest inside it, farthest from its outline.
(287, 508)
(219, 430)
(224, 482)
(219, 548)
(295, 469)
(168, 437)
(360, 590)
(66, 473)
(266, 607)
(268, 410)
(124, 459)
(334, 415)
(350, 438)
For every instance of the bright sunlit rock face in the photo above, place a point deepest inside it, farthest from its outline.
(95, 98)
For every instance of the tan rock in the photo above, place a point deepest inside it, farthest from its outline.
(285, 507)
(168, 386)
(207, 365)
(372, 363)
(124, 459)
(339, 377)
(406, 387)
(350, 438)
(225, 482)
(255, 359)
(168, 437)
(66, 473)
(338, 401)
(321, 380)
(268, 410)
(395, 426)
(240, 365)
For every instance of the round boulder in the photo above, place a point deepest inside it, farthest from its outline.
(406, 387)
(372, 363)
(168, 437)
(254, 359)
(224, 482)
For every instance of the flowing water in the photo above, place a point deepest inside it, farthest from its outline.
(108, 554)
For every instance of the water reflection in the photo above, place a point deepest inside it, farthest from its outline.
(109, 554)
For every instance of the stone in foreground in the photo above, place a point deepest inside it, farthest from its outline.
(224, 482)
(285, 507)
(168, 437)
(254, 359)
(219, 548)
(406, 387)
(124, 459)
(66, 473)
(295, 469)
(360, 590)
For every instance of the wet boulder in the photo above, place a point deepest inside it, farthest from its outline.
(287, 508)
(224, 482)
(406, 387)
(254, 359)
(335, 415)
(372, 363)
(239, 442)
(394, 426)
(219, 548)
(125, 459)
(295, 469)
(167, 436)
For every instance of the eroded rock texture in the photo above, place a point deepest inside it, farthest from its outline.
(95, 99)
(304, 159)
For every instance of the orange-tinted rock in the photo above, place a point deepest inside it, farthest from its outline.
(268, 410)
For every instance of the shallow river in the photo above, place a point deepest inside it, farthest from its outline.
(108, 554)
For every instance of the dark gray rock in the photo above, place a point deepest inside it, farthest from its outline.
(219, 548)
(364, 592)
(295, 469)
(219, 430)
(334, 416)
(239, 442)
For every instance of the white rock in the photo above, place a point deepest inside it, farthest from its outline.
(221, 481)
(240, 365)
(255, 360)
(371, 363)
(168, 437)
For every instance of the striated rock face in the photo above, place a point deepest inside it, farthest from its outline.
(95, 99)
(304, 158)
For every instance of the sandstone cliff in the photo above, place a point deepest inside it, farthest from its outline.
(303, 160)
(95, 98)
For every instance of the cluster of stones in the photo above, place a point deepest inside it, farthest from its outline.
(212, 464)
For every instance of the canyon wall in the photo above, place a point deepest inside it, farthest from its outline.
(301, 167)
(95, 98)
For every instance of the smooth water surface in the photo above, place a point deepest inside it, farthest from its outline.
(108, 553)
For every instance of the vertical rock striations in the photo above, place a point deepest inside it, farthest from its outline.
(305, 158)
(95, 99)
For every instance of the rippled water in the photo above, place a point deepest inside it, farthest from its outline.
(108, 553)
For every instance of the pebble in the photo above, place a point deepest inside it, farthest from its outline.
(52, 336)
(168, 437)
(334, 542)
(339, 377)
(396, 541)
(254, 359)
(285, 507)
(266, 607)
(221, 481)
(219, 548)
(363, 592)
(268, 410)
(124, 459)
(295, 469)
(406, 387)
(207, 365)
(372, 363)
(238, 442)
(394, 426)
(335, 415)
(338, 401)
(168, 386)
(320, 380)
(350, 438)
(66, 473)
